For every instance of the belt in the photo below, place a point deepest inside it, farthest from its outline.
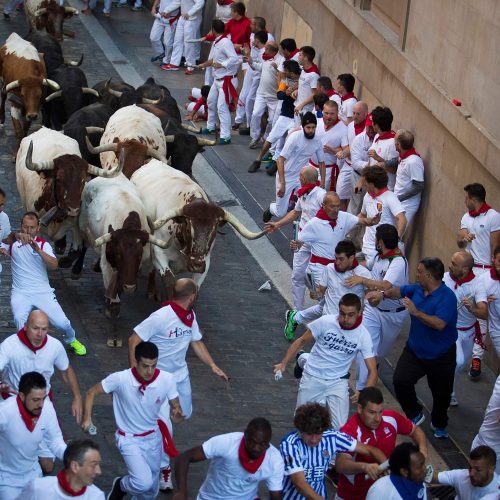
(143, 434)
(466, 328)
(317, 166)
(346, 376)
(483, 266)
(397, 310)
(320, 260)
(221, 79)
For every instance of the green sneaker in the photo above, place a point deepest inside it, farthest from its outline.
(78, 348)
(268, 158)
(291, 324)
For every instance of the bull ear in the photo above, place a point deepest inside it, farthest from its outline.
(110, 229)
(180, 219)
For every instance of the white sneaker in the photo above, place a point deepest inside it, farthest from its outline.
(255, 144)
(453, 400)
(166, 479)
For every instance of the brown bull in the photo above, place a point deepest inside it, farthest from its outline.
(48, 15)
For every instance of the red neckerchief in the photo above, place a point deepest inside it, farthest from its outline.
(330, 128)
(249, 464)
(390, 254)
(360, 127)
(21, 334)
(296, 51)
(458, 282)
(349, 95)
(267, 57)
(228, 2)
(386, 135)
(353, 327)
(220, 38)
(312, 69)
(144, 383)
(410, 152)
(305, 189)
(378, 193)
(324, 216)
(29, 420)
(331, 92)
(494, 275)
(187, 317)
(66, 487)
(355, 264)
(482, 210)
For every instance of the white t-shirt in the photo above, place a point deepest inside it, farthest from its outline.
(489, 432)
(4, 230)
(335, 348)
(481, 226)
(295, 57)
(383, 488)
(332, 137)
(172, 337)
(336, 288)
(359, 151)
(486, 285)
(393, 270)
(387, 203)
(409, 169)
(228, 480)
(322, 239)
(223, 53)
(268, 77)
(345, 108)
(459, 479)
(385, 148)
(309, 204)
(307, 83)
(470, 289)
(297, 152)
(136, 411)
(171, 7)
(16, 359)
(47, 488)
(29, 272)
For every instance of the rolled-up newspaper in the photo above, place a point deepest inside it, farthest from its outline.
(381, 468)
(278, 375)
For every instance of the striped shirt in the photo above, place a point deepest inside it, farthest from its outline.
(314, 462)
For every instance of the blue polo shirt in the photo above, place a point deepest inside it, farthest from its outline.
(424, 341)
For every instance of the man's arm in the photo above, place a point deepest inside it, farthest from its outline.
(176, 414)
(494, 240)
(345, 464)
(428, 320)
(133, 340)
(303, 487)
(181, 468)
(280, 164)
(371, 365)
(49, 261)
(464, 237)
(418, 437)
(363, 220)
(200, 349)
(479, 309)
(69, 377)
(300, 106)
(376, 297)
(275, 495)
(416, 187)
(89, 404)
(322, 176)
(401, 224)
(289, 217)
(296, 346)
(391, 165)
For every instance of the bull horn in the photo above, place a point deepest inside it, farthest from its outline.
(206, 142)
(88, 90)
(12, 85)
(108, 89)
(51, 83)
(175, 212)
(37, 166)
(169, 138)
(155, 154)
(102, 172)
(157, 242)
(40, 12)
(190, 128)
(103, 148)
(71, 10)
(145, 100)
(105, 238)
(76, 64)
(228, 217)
(54, 95)
(94, 130)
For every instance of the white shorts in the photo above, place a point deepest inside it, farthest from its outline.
(344, 182)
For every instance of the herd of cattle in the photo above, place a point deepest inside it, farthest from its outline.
(132, 196)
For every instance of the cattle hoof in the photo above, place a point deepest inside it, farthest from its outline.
(114, 341)
(65, 262)
(112, 310)
(96, 266)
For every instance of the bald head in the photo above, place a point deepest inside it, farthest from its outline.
(37, 327)
(184, 288)
(331, 197)
(37, 316)
(331, 204)
(405, 139)
(359, 112)
(308, 175)
(464, 259)
(271, 48)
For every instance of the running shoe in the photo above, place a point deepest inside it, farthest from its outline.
(291, 324)
(418, 419)
(116, 492)
(439, 432)
(297, 370)
(224, 142)
(453, 400)
(78, 348)
(475, 369)
(166, 479)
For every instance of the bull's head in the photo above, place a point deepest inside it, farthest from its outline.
(66, 176)
(124, 249)
(135, 153)
(197, 222)
(52, 16)
(130, 96)
(30, 90)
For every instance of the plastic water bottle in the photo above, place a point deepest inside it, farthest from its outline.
(92, 430)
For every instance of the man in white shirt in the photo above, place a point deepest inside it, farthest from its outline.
(345, 87)
(479, 234)
(82, 465)
(4, 226)
(331, 131)
(238, 463)
(407, 476)
(309, 200)
(337, 340)
(31, 257)
(166, 14)
(138, 394)
(379, 200)
(307, 82)
(173, 328)
(489, 432)
(188, 29)
(477, 481)
(26, 421)
(299, 147)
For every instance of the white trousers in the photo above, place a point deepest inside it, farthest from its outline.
(142, 455)
(162, 31)
(262, 103)
(344, 182)
(11, 5)
(280, 207)
(186, 30)
(278, 133)
(384, 328)
(311, 313)
(11, 485)
(477, 350)
(245, 94)
(333, 393)
(218, 108)
(411, 208)
(22, 304)
(300, 262)
(465, 343)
